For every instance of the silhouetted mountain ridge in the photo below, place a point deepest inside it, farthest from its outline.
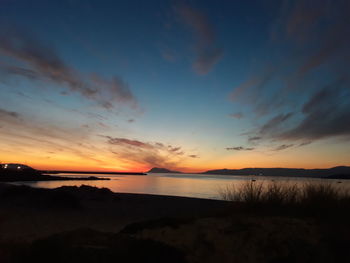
(162, 170)
(292, 172)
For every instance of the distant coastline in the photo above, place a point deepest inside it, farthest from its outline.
(339, 172)
(29, 174)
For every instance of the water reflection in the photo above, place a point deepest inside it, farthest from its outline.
(189, 185)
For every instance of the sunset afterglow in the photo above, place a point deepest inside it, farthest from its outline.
(185, 85)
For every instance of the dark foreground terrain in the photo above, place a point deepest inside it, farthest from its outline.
(87, 224)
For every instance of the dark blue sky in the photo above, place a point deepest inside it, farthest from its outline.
(182, 84)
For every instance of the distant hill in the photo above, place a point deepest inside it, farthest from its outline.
(16, 167)
(290, 172)
(15, 172)
(162, 170)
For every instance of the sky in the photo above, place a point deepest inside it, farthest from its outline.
(185, 85)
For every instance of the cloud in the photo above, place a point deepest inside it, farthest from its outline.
(20, 133)
(251, 86)
(304, 144)
(283, 147)
(150, 154)
(304, 91)
(254, 138)
(275, 122)
(303, 18)
(174, 149)
(36, 61)
(127, 142)
(239, 148)
(207, 52)
(76, 146)
(326, 114)
(237, 115)
(206, 60)
(27, 73)
(10, 114)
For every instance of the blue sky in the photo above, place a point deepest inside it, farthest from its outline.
(230, 83)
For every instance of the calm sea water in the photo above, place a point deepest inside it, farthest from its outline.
(189, 185)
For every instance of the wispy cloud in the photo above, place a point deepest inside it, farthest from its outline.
(274, 123)
(314, 41)
(79, 146)
(6, 113)
(37, 61)
(20, 133)
(304, 143)
(303, 18)
(239, 148)
(206, 60)
(207, 51)
(326, 114)
(254, 139)
(150, 154)
(248, 90)
(127, 142)
(283, 147)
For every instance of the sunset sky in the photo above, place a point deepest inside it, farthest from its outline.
(186, 85)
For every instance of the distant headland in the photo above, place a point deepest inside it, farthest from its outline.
(15, 172)
(162, 170)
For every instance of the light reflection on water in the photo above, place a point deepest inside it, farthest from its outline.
(189, 185)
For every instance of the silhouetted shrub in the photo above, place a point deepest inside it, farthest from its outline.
(315, 195)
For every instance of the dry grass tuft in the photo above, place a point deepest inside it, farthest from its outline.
(278, 193)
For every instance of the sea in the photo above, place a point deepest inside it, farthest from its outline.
(205, 186)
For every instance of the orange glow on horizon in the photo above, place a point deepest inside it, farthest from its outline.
(145, 168)
(313, 158)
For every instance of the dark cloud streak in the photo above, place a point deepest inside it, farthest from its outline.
(311, 82)
(283, 147)
(10, 114)
(43, 63)
(273, 123)
(239, 148)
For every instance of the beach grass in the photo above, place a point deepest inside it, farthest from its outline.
(284, 193)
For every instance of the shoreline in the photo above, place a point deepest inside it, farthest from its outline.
(38, 177)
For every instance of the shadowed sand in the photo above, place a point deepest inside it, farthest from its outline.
(29, 213)
(88, 224)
